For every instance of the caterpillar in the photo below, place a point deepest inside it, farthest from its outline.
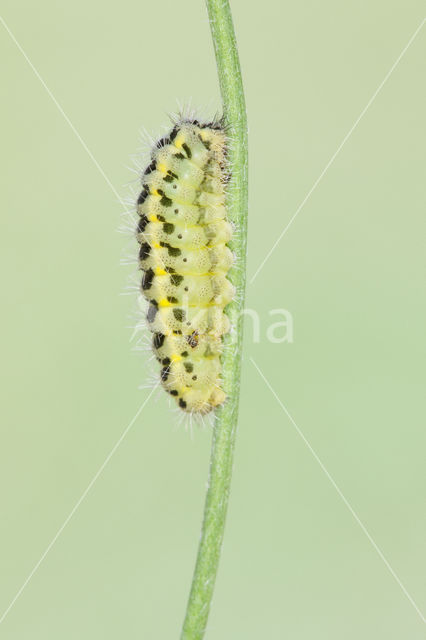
(183, 233)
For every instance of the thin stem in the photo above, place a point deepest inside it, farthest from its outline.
(221, 460)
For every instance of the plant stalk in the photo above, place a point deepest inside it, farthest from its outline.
(225, 427)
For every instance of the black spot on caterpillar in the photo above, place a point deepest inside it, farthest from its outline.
(179, 314)
(192, 339)
(147, 279)
(143, 221)
(175, 279)
(163, 142)
(158, 340)
(173, 133)
(144, 251)
(143, 196)
(168, 227)
(187, 150)
(150, 168)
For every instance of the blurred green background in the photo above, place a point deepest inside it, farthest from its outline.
(350, 270)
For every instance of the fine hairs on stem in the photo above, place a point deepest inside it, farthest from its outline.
(225, 426)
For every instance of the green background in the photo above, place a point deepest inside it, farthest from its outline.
(350, 270)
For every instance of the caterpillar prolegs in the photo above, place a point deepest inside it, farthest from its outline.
(183, 233)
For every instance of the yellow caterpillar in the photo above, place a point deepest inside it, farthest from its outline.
(183, 234)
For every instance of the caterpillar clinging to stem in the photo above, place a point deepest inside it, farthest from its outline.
(214, 332)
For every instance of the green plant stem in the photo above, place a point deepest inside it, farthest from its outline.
(223, 441)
